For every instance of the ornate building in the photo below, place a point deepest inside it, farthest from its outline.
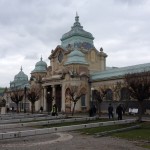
(76, 62)
(71, 64)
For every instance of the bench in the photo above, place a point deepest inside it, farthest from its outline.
(133, 111)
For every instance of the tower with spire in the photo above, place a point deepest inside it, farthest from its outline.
(77, 36)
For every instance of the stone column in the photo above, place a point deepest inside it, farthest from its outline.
(45, 99)
(53, 94)
(63, 98)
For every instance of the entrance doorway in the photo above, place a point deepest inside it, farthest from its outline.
(58, 98)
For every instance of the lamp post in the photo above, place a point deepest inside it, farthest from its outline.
(25, 91)
(48, 102)
(7, 100)
(92, 89)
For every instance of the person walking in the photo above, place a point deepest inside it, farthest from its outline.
(119, 111)
(41, 109)
(54, 110)
(94, 110)
(110, 111)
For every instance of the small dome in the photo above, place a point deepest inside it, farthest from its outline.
(76, 57)
(21, 76)
(40, 66)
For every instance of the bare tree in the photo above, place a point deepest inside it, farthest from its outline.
(75, 93)
(17, 96)
(139, 87)
(2, 102)
(116, 90)
(99, 95)
(33, 95)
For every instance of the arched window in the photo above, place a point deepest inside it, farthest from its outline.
(109, 94)
(83, 101)
(67, 101)
(125, 94)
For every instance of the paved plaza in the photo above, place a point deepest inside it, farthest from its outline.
(67, 141)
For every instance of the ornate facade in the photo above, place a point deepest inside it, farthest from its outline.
(71, 64)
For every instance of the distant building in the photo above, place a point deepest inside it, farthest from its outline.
(19, 83)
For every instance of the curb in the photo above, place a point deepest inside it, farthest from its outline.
(19, 134)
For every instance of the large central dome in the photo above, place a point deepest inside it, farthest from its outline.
(77, 36)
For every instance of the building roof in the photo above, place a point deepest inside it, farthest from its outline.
(119, 72)
(77, 35)
(21, 76)
(76, 57)
(40, 66)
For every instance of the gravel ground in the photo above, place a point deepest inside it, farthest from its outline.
(67, 141)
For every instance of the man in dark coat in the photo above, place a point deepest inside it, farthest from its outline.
(110, 111)
(119, 111)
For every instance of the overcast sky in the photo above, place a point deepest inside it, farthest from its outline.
(31, 28)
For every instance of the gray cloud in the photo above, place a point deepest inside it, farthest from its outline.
(31, 28)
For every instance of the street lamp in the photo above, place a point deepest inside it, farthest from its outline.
(48, 102)
(25, 92)
(92, 89)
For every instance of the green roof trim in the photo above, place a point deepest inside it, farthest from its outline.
(119, 72)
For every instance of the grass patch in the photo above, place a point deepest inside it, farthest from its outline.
(146, 146)
(140, 135)
(92, 131)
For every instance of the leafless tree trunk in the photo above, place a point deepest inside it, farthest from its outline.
(17, 96)
(33, 95)
(139, 87)
(75, 93)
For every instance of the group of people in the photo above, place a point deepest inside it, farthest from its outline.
(119, 111)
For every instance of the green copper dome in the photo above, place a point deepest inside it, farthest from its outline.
(40, 66)
(76, 57)
(20, 80)
(21, 76)
(77, 35)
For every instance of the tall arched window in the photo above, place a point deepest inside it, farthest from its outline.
(83, 101)
(125, 94)
(109, 94)
(67, 101)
